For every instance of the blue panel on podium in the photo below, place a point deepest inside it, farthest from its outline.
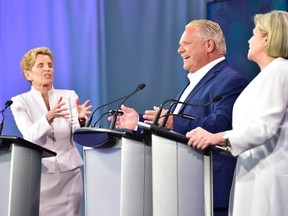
(101, 137)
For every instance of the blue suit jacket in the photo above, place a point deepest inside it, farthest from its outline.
(216, 117)
(220, 80)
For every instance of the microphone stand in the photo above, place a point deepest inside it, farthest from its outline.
(182, 115)
(112, 112)
(91, 117)
(157, 116)
(139, 87)
(114, 118)
(7, 104)
(1, 126)
(165, 117)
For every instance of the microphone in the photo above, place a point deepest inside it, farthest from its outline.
(182, 115)
(113, 122)
(157, 116)
(111, 112)
(215, 99)
(164, 121)
(7, 104)
(141, 85)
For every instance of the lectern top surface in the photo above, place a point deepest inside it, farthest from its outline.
(9, 140)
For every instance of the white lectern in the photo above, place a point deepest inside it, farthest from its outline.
(117, 173)
(181, 179)
(20, 168)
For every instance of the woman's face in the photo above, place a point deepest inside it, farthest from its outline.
(257, 45)
(42, 72)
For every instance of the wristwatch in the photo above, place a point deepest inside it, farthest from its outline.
(225, 137)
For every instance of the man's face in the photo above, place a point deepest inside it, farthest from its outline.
(193, 50)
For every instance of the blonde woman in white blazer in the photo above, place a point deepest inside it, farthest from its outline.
(48, 117)
(260, 125)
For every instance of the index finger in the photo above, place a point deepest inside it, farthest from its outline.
(149, 112)
(86, 102)
(59, 100)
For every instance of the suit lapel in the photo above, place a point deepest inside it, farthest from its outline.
(210, 75)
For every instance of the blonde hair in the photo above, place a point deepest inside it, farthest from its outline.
(29, 58)
(208, 29)
(275, 25)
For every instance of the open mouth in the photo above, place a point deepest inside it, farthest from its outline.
(186, 57)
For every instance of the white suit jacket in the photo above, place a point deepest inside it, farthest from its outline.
(29, 112)
(260, 140)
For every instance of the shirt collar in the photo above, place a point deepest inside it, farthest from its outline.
(34, 91)
(202, 71)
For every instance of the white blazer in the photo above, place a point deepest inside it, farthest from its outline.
(29, 112)
(260, 140)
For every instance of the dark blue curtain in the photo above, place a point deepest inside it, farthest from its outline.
(103, 48)
(142, 40)
(236, 19)
(73, 30)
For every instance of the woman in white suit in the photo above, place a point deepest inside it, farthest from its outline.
(48, 117)
(260, 125)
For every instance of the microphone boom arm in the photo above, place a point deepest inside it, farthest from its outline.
(114, 118)
(139, 87)
(7, 104)
(166, 116)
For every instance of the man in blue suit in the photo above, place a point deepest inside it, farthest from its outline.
(202, 47)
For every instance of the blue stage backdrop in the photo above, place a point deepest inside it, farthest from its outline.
(236, 20)
(71, 29)
(104, 48)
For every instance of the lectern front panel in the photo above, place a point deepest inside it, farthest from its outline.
(5, 167)
(21, 168)
(178, 178)
(118, 179)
